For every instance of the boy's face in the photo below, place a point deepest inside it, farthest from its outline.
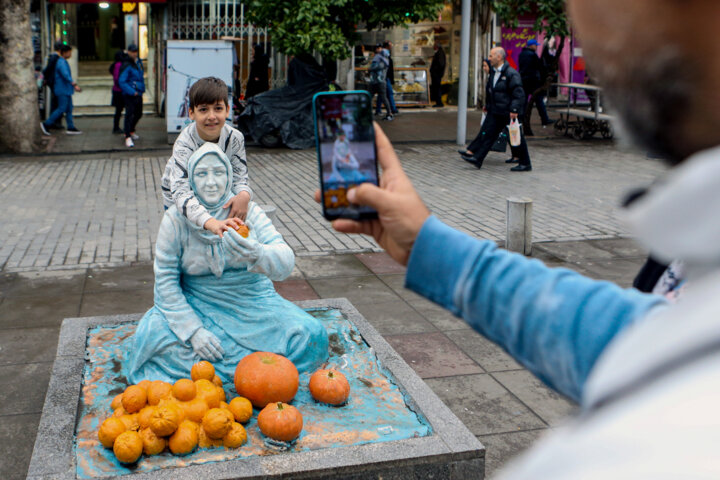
(210, 119)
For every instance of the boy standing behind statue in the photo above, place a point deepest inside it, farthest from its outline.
(209, 109)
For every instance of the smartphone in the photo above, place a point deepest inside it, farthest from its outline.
(345, 140)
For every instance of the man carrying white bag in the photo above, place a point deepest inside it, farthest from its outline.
(505, 103)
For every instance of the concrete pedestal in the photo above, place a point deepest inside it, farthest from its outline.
(450, 451)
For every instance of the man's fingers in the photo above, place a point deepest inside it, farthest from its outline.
(316, 195)
(344, 225)
(370, 195)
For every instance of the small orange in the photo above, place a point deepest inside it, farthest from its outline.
(208, 392)
(217, 381)
(144, 384)
(165, 419)
(152, 444)
(217, 422)
(206, 442)
(109, 430)
(243, 231)
(119, 412)
(128, 447)
(157, 391)
(195, 409)
(134, 398)
(202, 369)
(221, 394)
(185, 438)
(116, 402)
(184, 389)
(241, 409)
(144, 416)
(235, 437)
(130, 421)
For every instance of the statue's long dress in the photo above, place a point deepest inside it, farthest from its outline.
(238, 303)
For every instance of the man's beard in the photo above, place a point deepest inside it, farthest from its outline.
(652, 101)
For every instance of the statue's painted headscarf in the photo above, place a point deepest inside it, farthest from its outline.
(214, 252)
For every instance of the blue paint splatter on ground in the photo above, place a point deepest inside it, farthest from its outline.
(377, 410)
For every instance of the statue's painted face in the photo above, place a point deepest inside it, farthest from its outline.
(210, 176)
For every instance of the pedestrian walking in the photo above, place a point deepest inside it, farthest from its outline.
(532, 74)
(49, 80)
(132, 84)
(117, 95)
(390, 80)
(63, 88)
(437, 70)
(378, 79)
(505, 102)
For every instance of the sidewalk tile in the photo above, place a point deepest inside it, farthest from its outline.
(548, 405)
(483, 405)
(41, 311)
(28, 345)
(394, 318)
(432, 355)
(295, 290)
(23, 387)
(503, 447)
(330, 266)
(486, 353)
(120, 278)
(17, 439)
(380, 263)
(49, 283)
(359, 290)
(117, 302)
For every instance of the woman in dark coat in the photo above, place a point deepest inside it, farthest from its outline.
(258, 78)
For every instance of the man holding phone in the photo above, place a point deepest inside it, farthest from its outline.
(644, 373)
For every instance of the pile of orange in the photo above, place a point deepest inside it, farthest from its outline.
(150, 417)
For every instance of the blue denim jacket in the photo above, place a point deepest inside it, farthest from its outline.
(63, 78)
(554, 321)
(131, 80)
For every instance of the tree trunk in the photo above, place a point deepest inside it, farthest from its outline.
(19, 116)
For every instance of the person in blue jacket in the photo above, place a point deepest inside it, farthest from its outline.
(132, 84)
(63, 89)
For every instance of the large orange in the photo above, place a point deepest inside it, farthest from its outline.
(130, 421)
(195, 409)
(206, 442)
(235, 437)
(116, 402)
(264, 377)
(143, 417)
(208, 392)
(185, 438)
(202, 369)
(128, 447)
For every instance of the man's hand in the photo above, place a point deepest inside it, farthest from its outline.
(401, 212)
(207, 345)
(220, 226)
(238, 205)
(77, 88)
(513, 116)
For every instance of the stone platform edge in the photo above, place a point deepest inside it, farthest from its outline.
(451, 451)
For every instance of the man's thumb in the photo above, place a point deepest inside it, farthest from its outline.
(370, 195)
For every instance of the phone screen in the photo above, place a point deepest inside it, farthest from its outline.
(346, 151)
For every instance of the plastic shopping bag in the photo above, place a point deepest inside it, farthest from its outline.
(482, 119)
(514, 132)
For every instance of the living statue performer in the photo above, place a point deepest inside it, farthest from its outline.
(214, 296)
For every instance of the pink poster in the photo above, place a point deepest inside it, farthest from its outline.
(514, 39)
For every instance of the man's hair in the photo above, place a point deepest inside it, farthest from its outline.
(57, 46)
(208, 91)
(64, 48)
(386, 44)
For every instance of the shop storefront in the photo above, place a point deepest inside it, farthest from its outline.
(412, 55)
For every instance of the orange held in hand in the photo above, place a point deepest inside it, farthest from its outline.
(280, 421)
(329, 386)
(243, 231)
(264, 377)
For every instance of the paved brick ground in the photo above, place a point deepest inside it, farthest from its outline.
(104, 209)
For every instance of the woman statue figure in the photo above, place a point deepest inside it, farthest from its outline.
(344, 164)
(214, 296)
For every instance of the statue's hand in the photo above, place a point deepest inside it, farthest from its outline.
(246, 248)
(207, 345)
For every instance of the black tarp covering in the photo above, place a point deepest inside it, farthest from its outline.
(287, 110)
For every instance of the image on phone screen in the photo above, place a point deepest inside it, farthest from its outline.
(346, 151)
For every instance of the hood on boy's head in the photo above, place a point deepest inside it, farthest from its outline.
(210, 148)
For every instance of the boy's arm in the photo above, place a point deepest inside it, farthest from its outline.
(243, 193)
(182, 194)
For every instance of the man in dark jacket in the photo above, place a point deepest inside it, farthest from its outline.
(532, 74)
(437, 70)
(49, 81)
(505, 102)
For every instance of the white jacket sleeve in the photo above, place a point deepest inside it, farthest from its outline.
(238, 160)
